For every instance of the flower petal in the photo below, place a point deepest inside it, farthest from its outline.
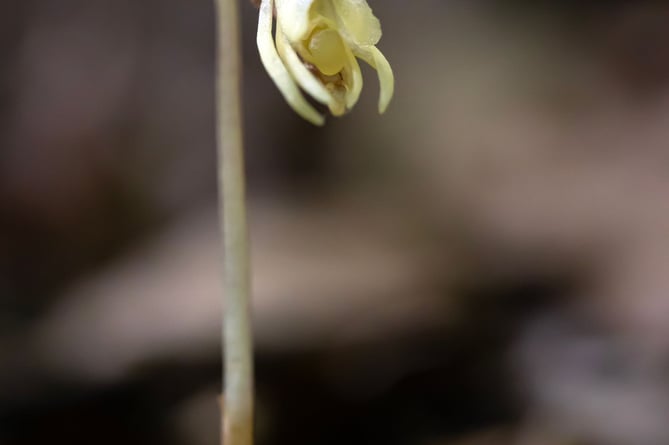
(358, 21)
(295, 17)
(276, 69)
(353, 78)
(306, 80)
(377, 60)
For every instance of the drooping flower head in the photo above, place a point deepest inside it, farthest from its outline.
(316, 47)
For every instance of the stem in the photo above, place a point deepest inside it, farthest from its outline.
(237, 413)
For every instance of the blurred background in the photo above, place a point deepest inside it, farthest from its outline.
(486, 264)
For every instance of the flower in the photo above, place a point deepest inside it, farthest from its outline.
(316, 49)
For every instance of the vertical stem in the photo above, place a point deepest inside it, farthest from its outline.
(237, 421)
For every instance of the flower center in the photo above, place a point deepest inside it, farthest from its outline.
(327, 51)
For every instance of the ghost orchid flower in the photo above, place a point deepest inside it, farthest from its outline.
(315, 49)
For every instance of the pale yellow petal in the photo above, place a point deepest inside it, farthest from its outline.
(276, 69)
(357, 21)
(296, 17)
(353, 79)
(306, 80)
(377, 60)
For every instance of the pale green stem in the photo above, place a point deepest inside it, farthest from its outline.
(237, 409)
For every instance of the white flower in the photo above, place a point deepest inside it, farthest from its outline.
(317, 46)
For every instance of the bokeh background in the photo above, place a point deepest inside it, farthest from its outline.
(486, 264)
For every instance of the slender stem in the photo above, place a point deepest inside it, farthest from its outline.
(237, 413)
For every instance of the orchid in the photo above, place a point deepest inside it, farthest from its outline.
(315, 49)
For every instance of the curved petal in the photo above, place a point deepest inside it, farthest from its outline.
(353, 77)
(276, 69)
(305, 79)
(377, 60)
